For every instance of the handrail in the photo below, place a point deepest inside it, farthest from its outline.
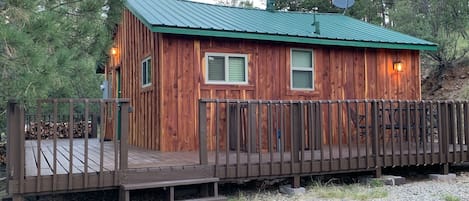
(60, 160)
(282, 136)
(256, 101)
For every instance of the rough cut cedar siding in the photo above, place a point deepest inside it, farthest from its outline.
(340, 73)
(165, 114)
(135, 42)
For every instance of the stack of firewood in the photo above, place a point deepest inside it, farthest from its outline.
(3, 153)
(46, 130)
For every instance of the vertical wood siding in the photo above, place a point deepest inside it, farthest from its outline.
(340, 73)
(165, 114)
(135, 43)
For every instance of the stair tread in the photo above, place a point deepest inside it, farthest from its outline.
(160, 184)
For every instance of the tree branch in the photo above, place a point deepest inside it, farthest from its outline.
(64, 3)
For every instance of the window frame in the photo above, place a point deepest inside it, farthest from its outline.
(145, 60)
(227, 56)
(302, 69)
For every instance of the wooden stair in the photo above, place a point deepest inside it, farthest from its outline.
(204, 182)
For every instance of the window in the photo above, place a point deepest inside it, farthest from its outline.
(146, 72)
(302, 69)
(226, 68)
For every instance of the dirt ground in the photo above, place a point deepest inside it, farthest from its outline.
(454, 84)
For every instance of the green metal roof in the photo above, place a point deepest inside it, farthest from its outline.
(191, 18)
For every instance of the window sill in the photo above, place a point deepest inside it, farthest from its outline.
(146, 88)
(226, 83)
(221, 86)
(302, 92)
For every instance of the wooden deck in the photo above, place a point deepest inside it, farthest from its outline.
(141, 158)
(436, 133)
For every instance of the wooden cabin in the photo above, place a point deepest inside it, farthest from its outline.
(169, 54)
(209, 94)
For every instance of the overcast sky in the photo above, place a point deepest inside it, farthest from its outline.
(257, 3)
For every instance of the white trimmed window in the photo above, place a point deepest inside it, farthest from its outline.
(302, 69)
(226, 68)
(146, 72)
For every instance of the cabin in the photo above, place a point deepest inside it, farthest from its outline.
(171, 54)
(202, 94)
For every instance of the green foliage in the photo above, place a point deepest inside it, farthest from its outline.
(465, 93)
(352, 191)
(372, 11)
(443, 22)
(49, 49)
(448, 197)
(237, 3)
(305, 5)
(376, 183)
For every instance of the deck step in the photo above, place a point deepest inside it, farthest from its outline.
(219, 198)
(126, 188)
(161, 184)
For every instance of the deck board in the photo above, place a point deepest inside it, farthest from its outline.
(141, 158)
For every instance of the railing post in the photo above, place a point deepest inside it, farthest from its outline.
(203, 133)
(445, 134)
(12, 139)
(296, 128)
(374, 127)
(15, 147)
(124, 124)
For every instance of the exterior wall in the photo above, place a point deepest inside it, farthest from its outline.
(165, 114)
(135, 42)
(340, 73)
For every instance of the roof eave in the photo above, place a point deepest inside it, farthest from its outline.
(292, 39)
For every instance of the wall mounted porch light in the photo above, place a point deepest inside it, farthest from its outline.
(114, 50)
(397, 66)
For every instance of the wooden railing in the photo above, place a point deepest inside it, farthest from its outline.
(249, 138)
(71, 163)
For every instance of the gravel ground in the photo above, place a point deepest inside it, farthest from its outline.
(430, 190)
(415, 189)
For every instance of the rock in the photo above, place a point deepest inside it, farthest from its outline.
(389, 180)
(392, 180)
(287, 189)
(442, 177)
(462, 77)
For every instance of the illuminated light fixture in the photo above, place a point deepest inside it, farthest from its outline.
(397, 66)
(113, 50)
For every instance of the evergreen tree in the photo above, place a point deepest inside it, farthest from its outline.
(443, 22)
(49, 48)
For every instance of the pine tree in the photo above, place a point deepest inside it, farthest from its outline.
(49, 48)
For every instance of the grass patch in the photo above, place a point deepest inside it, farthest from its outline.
(449, 197)
(465, 92)
(352, 191)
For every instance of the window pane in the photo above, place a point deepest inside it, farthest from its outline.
(144, 72)
(148, 71)
(302, 58)
(302, 79)
(236, 69)
(216, 68)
